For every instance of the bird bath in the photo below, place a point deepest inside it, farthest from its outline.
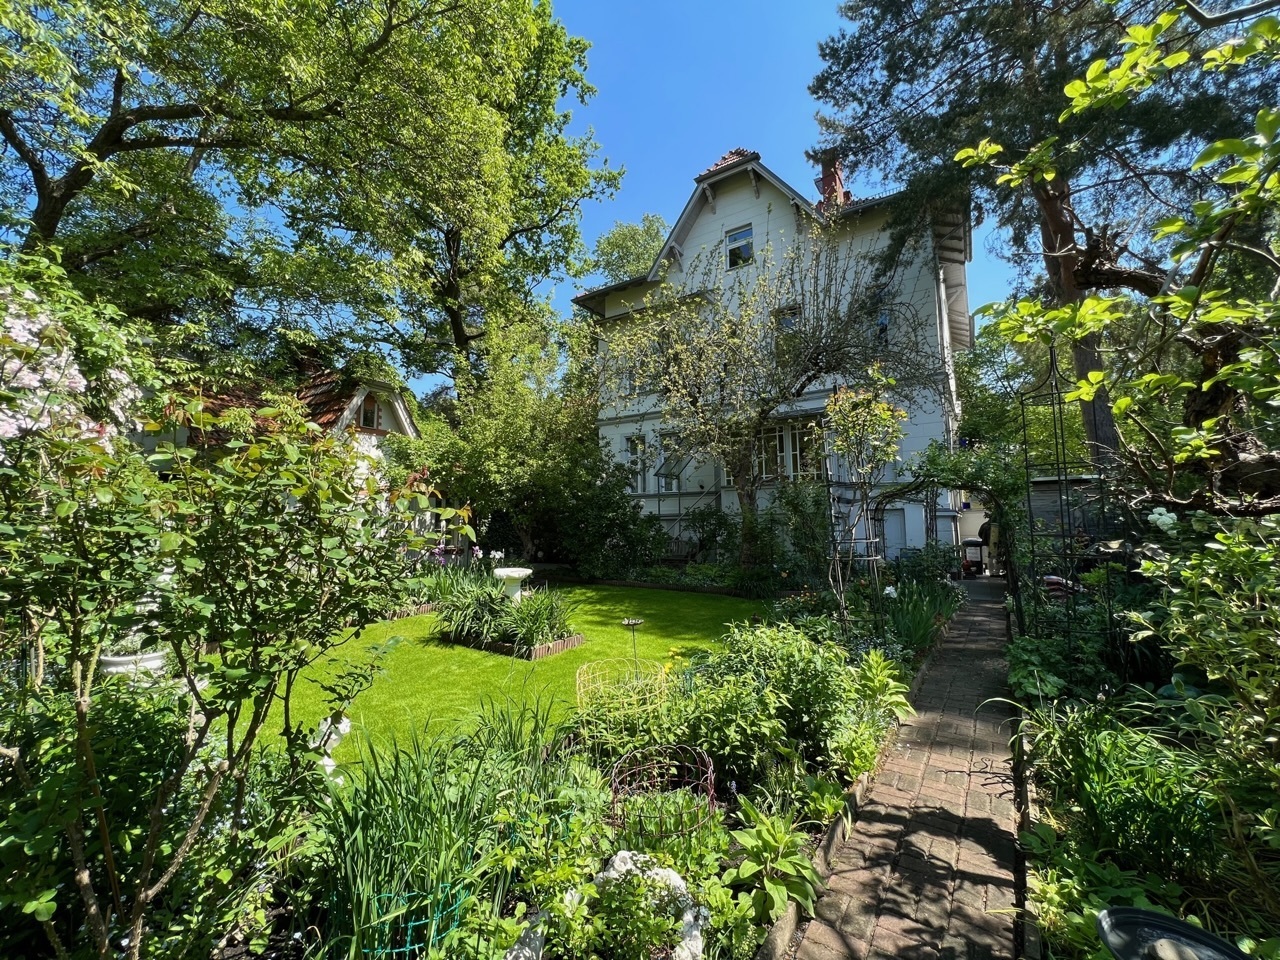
(512, 578)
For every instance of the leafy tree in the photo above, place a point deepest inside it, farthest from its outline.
(527, 445)
(911, 84)
(994, 379)
(1193, 369)
(628, 250)
(719, 365)
(383, 168)
(266, 549)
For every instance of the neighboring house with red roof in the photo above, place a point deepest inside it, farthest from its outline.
(370, 409)
(364, 408)
(737, 209)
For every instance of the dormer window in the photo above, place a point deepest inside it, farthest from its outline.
(738, 247)
(369, 412)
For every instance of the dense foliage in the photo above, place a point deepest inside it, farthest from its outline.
(244, 556)
(1164, 794)
(227, 164)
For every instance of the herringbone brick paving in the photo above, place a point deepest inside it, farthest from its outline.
(927, 871)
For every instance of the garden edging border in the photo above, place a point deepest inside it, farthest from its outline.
(542, 650)
(777, 943)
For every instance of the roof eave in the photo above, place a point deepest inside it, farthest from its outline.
(593, 300)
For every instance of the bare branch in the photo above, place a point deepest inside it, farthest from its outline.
(1205, 19)
(9, 130)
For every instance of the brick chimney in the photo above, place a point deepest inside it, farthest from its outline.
(830, 183)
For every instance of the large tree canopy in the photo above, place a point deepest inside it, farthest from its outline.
(910, 84)
(627, 250)
(389, 167)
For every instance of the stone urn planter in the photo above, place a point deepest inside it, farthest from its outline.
(152, 663)
(512, 578)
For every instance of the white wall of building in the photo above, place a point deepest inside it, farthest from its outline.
(776, 223)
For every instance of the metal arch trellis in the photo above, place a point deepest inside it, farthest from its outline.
(857, 533)
(1074, 526)
(860, 507)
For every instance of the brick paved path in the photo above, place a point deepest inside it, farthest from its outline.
(927, 872)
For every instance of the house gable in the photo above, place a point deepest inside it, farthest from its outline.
(378, 409)
(736, 191)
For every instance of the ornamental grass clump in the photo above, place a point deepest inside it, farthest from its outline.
(478, 612)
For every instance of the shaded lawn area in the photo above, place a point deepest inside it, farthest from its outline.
(424, 680)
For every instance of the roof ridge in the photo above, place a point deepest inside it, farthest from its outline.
(736, 155)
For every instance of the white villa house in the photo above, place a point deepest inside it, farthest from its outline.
(737, 209)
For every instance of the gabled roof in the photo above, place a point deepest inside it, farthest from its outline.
(333, 400)
(737, 161)
(330, 397)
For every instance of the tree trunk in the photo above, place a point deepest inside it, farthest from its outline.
(749, 543)
(1061, 256)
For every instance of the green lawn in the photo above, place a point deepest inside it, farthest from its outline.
(426, 681)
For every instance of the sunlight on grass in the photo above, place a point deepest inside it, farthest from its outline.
(427, 681)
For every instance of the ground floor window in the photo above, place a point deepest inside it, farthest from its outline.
(787, 450)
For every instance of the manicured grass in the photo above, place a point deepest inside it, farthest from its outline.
(426, 681)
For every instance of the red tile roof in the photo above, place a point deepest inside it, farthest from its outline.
(326, 397)
(736, 155)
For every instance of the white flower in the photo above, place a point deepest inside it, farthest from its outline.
(1163, 519)
(891, 592)
(497, 555)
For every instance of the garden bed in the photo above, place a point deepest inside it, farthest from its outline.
(537, 652)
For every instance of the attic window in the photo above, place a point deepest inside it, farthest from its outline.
(369, 412)
(739, 250)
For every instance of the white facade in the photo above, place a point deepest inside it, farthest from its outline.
(740, 194)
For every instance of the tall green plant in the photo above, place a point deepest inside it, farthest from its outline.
(245, 561)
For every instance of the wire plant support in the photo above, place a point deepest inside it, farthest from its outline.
(1075, 524)
(663, 792)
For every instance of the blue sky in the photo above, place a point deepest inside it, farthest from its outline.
(680, 83)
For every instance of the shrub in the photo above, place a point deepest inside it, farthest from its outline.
(920, 609)
(477, 610)
(930, 563)
(1044, 668)
(810, 679)
(804, 514)
(266, 549)
(473, 611)
(436, 828)
(734, 718)
(1149, 802)
(541, 616)
(715, 532)
(755, 583)
(628, 542)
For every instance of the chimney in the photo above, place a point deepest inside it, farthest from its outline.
(831, 183)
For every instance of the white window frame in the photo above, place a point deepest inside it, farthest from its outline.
(637, 450)
(802, 442)
(730, 245)
(666, 484)
(781, 449)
